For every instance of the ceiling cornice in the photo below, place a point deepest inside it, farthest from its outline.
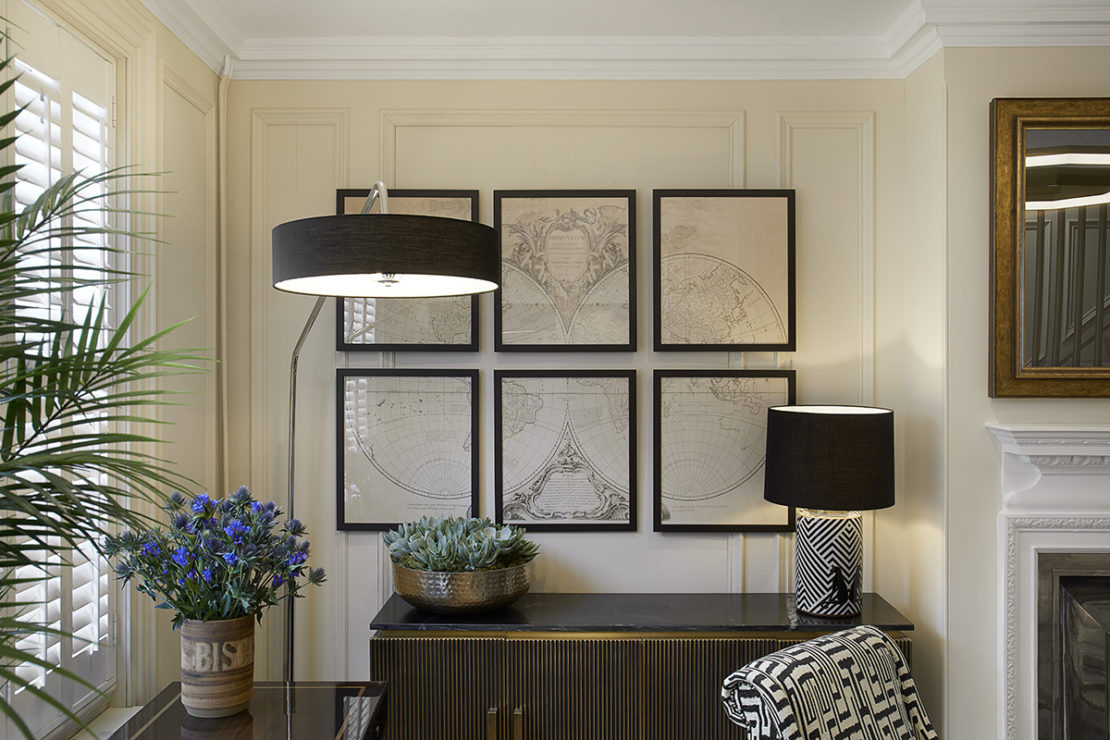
(213, 38)
(915, 36)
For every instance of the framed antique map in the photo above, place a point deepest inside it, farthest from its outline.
(568, 270)
(724, 270)
(391, 324)
(710, 446)
(564, 449)
(406, 447)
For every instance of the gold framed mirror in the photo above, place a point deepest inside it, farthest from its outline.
(1050, 258)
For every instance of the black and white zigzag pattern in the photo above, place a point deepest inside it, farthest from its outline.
(850, 685)
(828, 565)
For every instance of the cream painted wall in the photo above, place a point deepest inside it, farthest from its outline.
(974, 77)
(840, 144)
(892, 289)
(910, 536)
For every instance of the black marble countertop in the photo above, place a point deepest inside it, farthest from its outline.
(543, 612)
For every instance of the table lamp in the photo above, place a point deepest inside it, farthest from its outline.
(380, 255)
(832, 463)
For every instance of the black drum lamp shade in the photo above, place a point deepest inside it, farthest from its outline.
(831, 462)
(381, 255)
(385, 256)
(835, 458)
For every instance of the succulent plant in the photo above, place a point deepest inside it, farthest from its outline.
(453, 544)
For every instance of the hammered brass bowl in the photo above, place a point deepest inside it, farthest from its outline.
(461, 593)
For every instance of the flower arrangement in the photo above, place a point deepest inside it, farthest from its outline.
(220, 559)
(453, 544)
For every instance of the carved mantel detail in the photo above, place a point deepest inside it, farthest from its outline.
(1055, 487)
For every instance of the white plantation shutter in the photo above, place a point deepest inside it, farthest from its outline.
(66, 89)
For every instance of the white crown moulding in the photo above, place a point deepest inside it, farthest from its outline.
(914, 37)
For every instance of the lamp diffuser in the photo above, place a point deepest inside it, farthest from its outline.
(838, 458)
(385, 256)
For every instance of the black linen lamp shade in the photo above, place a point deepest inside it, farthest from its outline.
(831, 462)
(838, 458)
(385, 256)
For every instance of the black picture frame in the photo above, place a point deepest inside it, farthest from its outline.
(600, 244)
(714, 443)
(412, 409)
(697, 306)
(397, 203)
(560, 453)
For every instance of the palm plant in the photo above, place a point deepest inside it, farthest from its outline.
(72, 389)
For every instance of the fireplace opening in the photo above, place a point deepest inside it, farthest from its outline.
(1073, 624)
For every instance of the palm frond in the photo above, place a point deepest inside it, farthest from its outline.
(75, 394)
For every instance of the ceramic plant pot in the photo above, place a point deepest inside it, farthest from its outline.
(461, 593)
(217, 666)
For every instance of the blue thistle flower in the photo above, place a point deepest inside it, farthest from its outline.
(242, 495)
(177, 499)
(235, 529)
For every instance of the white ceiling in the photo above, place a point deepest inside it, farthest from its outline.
(668, 39)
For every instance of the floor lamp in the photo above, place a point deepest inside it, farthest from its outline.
(379, 255)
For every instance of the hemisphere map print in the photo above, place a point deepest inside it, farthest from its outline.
(567, 269)
(406, 446)
(724, 269)
(710, 447)
(448, 323)
(564, 452)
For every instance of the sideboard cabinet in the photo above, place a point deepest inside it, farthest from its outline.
(586, 666)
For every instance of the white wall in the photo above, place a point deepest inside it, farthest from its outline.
(910, 536)
(840, 144)
(974, 77)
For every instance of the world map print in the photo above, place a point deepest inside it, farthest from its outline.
(565, 450)
(410, 321)
(697, 286)
(565, 270)
(723, 272)
(407, 447)
(376, 321)
(713, 436)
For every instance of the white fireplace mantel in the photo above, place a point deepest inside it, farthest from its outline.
(1055, 498)
(1054, 468)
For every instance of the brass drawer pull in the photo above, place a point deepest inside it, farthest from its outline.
(491, 723)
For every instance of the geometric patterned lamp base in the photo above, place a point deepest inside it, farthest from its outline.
(828, 562)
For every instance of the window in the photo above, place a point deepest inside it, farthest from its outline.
(66, 90)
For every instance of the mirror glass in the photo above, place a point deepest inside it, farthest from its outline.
(1065, 285)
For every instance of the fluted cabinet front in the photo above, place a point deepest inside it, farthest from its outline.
(442, 687)
(564, 686)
